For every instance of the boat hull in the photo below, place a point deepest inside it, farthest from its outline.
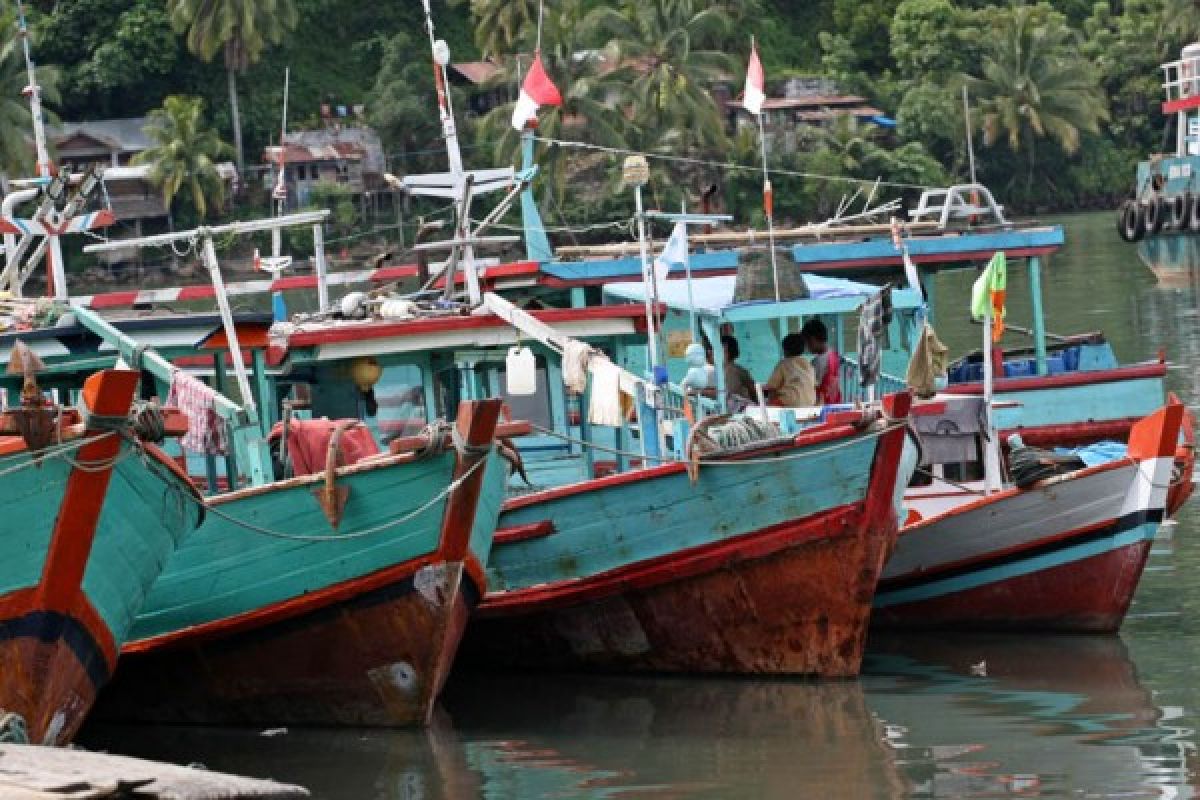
(788, 597)
(79, 551)
(1065, 554)
(351, 628)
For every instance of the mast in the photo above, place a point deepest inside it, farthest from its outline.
(45, 168)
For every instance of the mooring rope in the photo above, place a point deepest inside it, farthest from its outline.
(216, 511)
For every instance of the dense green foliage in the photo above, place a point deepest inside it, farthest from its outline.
(1064, 93)
(183, 155)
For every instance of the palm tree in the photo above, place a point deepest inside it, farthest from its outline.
(16, 125)
(669, 53)
(504, 26)
(184, 153)
(1033, 83)
(587, 111)
(241, 28)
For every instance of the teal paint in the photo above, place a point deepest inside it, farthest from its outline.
(268, 415)
(578, 297)
(1070, 404)
(221, 384)
(224, 569)
(640, 520)
(1039, 319)
(537, 246)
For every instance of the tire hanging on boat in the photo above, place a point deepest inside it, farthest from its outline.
(1129, 222)
(1152, 214)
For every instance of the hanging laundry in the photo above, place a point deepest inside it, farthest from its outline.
(928, 363)
(206, 429)
(874, 317)
(575, 365)
(608, 405)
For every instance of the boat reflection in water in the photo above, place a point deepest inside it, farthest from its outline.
(1046, 716)
(1052, 716)
(1174, 258)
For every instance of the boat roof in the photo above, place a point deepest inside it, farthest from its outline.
(714, 296)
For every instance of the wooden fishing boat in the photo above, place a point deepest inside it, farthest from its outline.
(1064, 553)
(765, 566)
(91, 515)
(271, 613)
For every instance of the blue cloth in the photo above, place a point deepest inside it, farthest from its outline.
(1098, 453)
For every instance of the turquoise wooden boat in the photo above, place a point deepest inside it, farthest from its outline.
(271, 615)
(90, 520)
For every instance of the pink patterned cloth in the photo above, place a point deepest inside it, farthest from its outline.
(206, 429)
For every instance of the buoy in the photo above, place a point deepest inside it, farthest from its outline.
(1129, 222)
(1152, 214)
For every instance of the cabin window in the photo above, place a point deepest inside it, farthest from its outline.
(400, 395)
(534, 408)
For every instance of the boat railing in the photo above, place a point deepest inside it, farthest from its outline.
(1181, 79)
(851, 387)
(970, 202)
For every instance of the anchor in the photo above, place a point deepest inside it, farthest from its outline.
(34, 419)
(331, 496)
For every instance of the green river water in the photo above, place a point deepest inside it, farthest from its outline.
(946, 717)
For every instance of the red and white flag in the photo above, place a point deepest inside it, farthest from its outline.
(755, 92)
(537, 91)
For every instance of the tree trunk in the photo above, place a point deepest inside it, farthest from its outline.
(1032, 163)
(236, 120)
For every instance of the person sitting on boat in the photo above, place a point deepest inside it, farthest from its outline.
(738, 380)
(792, 383)
(826, 363)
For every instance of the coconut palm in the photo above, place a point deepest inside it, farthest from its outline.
(239, 28)
(505, 26)
(1033, 84)
(16, 126)
(669, 53)
(184, 154)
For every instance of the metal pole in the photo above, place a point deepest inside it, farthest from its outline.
(768, 205)
(967, 122)
(991, 458)
(235, 350)
(647, 278)
(1039, 319)
(319, 258)
(44, 167)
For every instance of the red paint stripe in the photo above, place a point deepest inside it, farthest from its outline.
(113, 299)
(476, 425)
(813, 436)
(25, 601)
(108, 393)
(293, 607)
(1181, 104)
(196, 293)
(1086, 378)
(383, 330)
(675, 566)
(294, 282)
(522, 533)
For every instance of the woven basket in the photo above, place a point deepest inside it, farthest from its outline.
(756, 282)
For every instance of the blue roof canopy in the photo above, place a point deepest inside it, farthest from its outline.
(713, 296)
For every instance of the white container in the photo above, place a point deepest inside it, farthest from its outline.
(521, 371)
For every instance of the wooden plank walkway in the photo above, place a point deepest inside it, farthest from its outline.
(30, 772)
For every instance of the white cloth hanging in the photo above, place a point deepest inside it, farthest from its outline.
(575, 365)
(605, 406)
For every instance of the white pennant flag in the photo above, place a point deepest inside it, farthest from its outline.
(675, 252)
(756, 83)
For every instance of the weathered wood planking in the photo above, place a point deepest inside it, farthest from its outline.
(31, 772)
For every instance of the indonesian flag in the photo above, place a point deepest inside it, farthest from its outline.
(755, 92)
(537, 91)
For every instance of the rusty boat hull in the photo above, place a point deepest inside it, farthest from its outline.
(350, 628)
(764, 589)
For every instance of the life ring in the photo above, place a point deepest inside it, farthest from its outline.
(1152, 214)
(1180, 210)
(1129, 222)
